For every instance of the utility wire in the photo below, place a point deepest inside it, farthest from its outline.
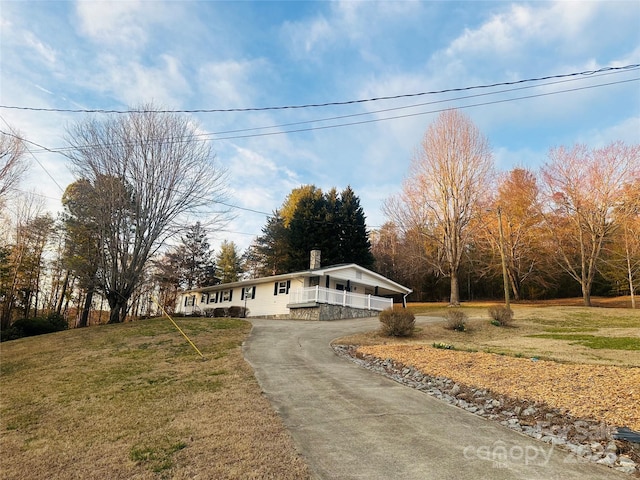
(62, 150)
(362, 122)
(327, 104)
(25, 141)
(208, 136)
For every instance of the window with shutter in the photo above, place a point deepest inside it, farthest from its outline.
(248, 293)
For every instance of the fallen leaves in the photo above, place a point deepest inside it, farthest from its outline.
(607, 393)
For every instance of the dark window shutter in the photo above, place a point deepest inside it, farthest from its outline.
(231, 294)
(242, 294)
(288, 285)
(186, 300)
(253, 292)
(275, 289)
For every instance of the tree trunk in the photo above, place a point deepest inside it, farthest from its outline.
(118, 306)
(629, 270)
(84, 316)
(65, 284)
(114, 314)
(586, 294)
(455, 290)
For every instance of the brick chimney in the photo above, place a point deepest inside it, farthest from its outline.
(314, 262)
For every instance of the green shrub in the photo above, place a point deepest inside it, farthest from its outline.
(238, 312)
(443, 346)
(397, 322)
(456, 320)
(501, 316)
(29, 327)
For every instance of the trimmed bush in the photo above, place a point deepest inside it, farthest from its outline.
(456, 320)
(238, 312)
(397, 322)
(501, 316)
(220, 312)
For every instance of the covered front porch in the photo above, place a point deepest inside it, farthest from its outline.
(313, 296)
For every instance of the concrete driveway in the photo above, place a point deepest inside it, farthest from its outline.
(350, 423)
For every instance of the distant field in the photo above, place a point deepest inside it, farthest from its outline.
(549, 330)
(136, 401)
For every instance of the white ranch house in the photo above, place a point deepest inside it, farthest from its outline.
(329, 293)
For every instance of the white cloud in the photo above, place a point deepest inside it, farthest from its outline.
(230, 83)
(114, 23)
(308, 37)
(133, 83)
(625, 130)
(45, 52)
(346, 23)
(523, 26)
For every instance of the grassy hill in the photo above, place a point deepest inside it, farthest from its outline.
(136, 401)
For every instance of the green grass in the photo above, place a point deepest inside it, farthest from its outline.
(157, 455)
(594, 319)
(594, 341)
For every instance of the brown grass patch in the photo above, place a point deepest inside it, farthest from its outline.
(135, 401)
(518, 340)
(606, 393)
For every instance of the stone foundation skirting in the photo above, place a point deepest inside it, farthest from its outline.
(324, 312)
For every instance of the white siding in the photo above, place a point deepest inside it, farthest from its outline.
(265, 303)
(272, 301)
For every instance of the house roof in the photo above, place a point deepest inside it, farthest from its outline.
(330, 270)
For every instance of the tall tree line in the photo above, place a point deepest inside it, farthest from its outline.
(576, 220)
(570, 228)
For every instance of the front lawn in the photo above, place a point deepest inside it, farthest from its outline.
(136, 401)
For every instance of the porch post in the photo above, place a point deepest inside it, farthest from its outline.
(369, 302)
(344, 298)
(317, 292)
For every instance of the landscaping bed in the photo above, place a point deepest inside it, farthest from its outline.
(575, 407)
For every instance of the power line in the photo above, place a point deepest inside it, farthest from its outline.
(415, 105)
(62, 150)
(24, 141)
(362, 122)
(327, 104)
(212, 135)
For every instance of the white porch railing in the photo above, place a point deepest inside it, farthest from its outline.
(339, 297)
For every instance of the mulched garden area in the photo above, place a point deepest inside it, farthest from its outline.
(574, 405)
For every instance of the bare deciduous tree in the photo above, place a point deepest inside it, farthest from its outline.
(13, 164)
(447, 178)
(23, 258)
(582, 188)
(148, 169)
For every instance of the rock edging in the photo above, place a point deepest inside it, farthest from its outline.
(586, 439)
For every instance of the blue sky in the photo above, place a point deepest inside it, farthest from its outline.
(219, 55)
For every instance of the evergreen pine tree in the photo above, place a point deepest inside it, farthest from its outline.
(195, 258)
(354, 238)
(228, 263)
